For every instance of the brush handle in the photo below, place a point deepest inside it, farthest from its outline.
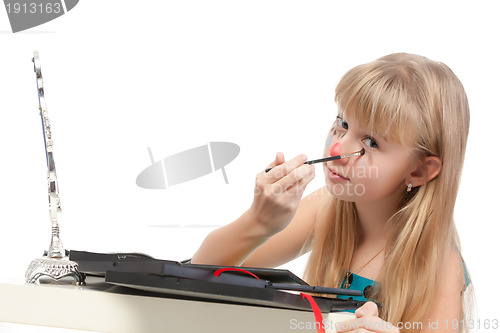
(331, 158)
(326, 159)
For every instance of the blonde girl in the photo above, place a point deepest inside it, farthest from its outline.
(383, 223)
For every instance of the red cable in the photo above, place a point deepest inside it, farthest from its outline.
(221, 270)
(318, 316)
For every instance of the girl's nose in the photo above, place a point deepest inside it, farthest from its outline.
(335, 150)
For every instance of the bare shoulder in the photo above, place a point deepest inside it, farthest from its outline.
(317, 201)
(453, 275)
(315, 204)
(446, 305)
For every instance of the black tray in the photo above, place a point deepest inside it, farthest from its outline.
(226, 293)
(258, 286)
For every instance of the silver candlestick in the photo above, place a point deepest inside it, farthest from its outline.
(55, 264)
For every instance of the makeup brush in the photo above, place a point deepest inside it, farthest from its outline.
(332, 158)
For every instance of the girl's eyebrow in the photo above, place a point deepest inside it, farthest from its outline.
(380, 136)
(383, 137)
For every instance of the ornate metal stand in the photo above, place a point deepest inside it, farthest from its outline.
(55, 264)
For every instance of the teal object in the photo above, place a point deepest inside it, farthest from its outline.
(358, 283)
(361, 283)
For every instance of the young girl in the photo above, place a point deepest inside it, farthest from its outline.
(383, 223)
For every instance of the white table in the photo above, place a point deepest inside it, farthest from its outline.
(104, 308)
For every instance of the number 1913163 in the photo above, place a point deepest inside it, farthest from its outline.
(485, 324)
(34, 8)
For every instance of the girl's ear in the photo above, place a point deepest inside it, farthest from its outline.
(428, 169)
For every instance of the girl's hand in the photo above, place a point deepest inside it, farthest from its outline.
(277, 193)
(367, 320)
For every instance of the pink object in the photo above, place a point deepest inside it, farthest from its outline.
(335, 150)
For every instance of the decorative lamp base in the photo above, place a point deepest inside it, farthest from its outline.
(54, 268)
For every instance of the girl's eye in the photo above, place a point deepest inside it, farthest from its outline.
(339, 125)
(370, 142)
(342, 123)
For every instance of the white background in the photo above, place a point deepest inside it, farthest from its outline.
(121, 76)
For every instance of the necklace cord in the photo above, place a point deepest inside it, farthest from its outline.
(348, 274)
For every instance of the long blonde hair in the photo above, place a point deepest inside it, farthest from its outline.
(422, 105)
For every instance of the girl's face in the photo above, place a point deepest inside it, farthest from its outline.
(378, 174)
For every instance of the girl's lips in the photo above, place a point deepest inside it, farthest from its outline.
(333, 175)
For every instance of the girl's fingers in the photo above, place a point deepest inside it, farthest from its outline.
(368, 309)
(284, 169)
(367, 319)
(280, 159)
(297, 180)
(369, 323)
